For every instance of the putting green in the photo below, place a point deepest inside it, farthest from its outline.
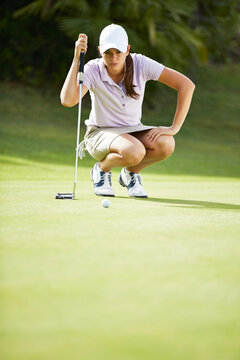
(143, 279)
(147, 279)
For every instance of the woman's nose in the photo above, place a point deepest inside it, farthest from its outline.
(114, 55)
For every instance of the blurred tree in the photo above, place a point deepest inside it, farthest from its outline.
(219, 23)
(39, 35)
(158, 28)
(34, 51)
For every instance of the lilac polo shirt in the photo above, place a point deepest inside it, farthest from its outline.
(111, 107)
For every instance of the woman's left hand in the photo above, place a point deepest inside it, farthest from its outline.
(155, 133)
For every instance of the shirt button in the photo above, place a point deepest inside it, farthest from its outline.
(123, 104)
(122, 97)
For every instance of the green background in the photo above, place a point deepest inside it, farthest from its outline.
(148, 279)
(143, 279)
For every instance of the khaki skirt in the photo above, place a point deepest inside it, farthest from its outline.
(98, 140)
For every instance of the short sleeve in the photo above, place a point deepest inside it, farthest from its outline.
(89, 75)
(151, 69)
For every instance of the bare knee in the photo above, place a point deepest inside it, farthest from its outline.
(169, 145)
(133, 154)
(165, 146)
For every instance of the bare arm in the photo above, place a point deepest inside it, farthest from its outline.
(185, 88)
(70, 91)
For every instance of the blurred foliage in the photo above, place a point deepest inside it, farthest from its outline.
(35, 51)
(39, 35)
(219, 23)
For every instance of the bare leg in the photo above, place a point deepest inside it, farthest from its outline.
(155, 151)
(125, 150)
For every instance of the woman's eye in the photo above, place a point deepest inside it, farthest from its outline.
(109, 53)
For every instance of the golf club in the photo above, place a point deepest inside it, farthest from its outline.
(71, 196)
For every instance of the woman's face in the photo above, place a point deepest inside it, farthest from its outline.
(115, 60)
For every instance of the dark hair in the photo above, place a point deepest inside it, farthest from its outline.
(128, 80)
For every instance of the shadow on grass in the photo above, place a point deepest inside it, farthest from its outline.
(194, 204)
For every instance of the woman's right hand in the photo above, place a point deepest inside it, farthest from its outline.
(80, 45)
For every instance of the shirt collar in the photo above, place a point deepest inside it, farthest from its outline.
(103, 71)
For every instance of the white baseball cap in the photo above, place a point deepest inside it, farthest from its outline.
(113, 37)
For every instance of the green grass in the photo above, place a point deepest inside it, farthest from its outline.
(145, 279)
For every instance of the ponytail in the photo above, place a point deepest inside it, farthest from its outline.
(128, 80)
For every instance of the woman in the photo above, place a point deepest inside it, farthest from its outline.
(115, 135)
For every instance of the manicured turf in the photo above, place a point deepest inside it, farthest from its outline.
(144, 279)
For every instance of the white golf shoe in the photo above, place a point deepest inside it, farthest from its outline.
(102, 182)
(132, 182)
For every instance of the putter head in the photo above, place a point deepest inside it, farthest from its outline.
(65, 196)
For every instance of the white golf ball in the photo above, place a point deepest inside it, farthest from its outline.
(105, 203)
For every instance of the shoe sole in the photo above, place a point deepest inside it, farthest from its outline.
(105, 195)
(122, 183)
(139, 197)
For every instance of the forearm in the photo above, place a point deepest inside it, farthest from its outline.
(69, 92)
(184, 99)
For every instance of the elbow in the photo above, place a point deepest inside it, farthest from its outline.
(192, 85)
(65, 102)
(188, 86)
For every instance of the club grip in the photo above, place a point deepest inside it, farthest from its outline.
(81, 66)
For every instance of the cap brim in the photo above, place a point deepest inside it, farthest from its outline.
(108, 46)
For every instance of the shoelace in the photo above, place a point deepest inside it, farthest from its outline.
(134, 178)
(103, 175)
(110, 178)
